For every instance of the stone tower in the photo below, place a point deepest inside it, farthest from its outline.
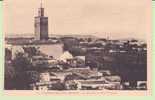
(41, 25)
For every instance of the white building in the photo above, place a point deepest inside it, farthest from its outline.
(66, 56)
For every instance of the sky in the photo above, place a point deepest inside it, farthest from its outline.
(103, 18)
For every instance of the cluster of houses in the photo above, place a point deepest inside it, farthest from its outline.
(77, 79)
(70, 73)
(62, 70)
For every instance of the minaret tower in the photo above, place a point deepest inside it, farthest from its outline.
(41, 25)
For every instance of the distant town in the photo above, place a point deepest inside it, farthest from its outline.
(70, 63)
(73, 62)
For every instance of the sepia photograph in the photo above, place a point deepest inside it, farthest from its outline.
(77, 45)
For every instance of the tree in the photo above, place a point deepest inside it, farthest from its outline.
(58, 86)
(21, 64)
(30, 50)
(9, 76)
(32, 76)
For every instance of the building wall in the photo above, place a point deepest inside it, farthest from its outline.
(55, 50)
(41, 28)
(37, 28)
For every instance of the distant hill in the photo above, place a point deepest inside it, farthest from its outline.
(13, 35)
(74, 35)
(28, 35)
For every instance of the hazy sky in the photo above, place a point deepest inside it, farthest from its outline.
(114, 18)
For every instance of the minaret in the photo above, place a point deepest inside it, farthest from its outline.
(41, 25)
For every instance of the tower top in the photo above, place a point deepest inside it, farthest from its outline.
(41, 9)
(41, 3)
